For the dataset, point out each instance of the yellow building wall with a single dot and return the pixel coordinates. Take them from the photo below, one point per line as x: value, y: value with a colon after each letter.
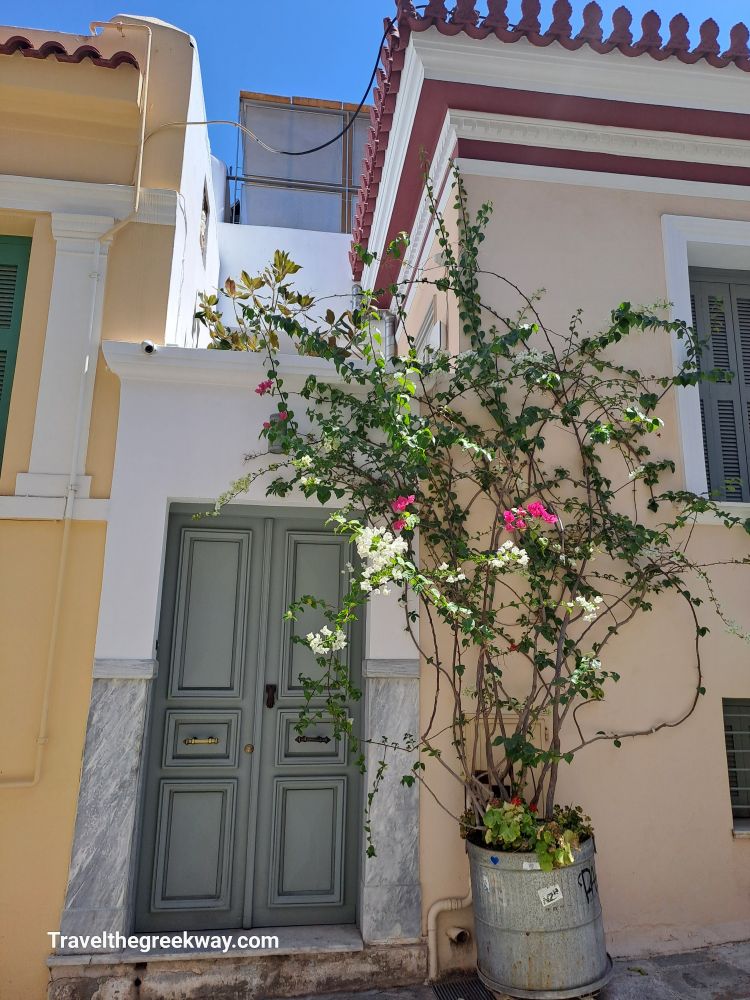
x: 36, y: 824
x: 671, y: 874
x: 76, y: 123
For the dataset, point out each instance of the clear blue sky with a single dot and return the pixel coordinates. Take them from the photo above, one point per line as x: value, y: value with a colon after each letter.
x: 311, y: 48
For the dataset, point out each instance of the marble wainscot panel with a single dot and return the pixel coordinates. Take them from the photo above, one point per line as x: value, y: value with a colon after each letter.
x: 101, y: 864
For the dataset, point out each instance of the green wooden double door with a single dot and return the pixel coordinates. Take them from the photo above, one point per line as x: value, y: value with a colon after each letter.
x: 244, y: 822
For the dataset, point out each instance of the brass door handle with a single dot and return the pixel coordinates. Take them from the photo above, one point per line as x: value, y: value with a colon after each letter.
x: 208, y: 741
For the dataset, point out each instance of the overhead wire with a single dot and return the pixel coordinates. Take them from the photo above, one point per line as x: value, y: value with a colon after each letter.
x: 390, y: 24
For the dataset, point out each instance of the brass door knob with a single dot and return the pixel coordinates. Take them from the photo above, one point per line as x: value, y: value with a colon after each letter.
x: 249, y: 748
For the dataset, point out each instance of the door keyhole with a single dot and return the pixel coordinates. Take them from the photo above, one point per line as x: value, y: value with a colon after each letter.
x: 270, y: 695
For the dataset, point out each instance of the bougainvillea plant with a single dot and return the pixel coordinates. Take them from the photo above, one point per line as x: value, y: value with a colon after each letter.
x: 512, y: 496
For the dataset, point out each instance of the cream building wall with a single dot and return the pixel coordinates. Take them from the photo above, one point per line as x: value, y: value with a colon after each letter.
x: 673, y: 874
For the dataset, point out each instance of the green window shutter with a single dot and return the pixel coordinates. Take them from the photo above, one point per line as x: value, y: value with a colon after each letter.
x: 737, y: 740
x: 722, y: 319
x: 14, y: 266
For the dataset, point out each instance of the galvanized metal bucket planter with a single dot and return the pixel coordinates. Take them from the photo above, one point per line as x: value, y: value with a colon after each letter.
x: 539, y: 934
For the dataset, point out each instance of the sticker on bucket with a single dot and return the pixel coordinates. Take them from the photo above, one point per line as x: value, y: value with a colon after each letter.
x: 532, y: 866
x: 485, y: 884
x: 551, y: 895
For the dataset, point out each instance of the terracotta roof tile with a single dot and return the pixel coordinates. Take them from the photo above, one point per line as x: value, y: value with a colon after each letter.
x: 652, y: 40
x: 53, y: 47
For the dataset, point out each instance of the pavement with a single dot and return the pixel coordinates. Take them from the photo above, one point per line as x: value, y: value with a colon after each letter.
x: 720, y: 973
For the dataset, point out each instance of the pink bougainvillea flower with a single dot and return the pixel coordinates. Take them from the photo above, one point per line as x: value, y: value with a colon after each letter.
x: 283, y: 415
x: 399, y: 505
x: 266, y: 424
x: 537, y: 509
x: 399, y: 525
x: 514, y: 519
x: 516, y: 801
x: 263, y: 387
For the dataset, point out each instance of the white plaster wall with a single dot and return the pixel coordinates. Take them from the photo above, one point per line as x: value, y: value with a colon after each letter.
x: 190, y: 274
x: 324, y: 258
x: 187, y: 420
x: 219, y: 181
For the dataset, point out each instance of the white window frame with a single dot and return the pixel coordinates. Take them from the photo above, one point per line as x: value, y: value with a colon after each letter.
x: 691, y: 241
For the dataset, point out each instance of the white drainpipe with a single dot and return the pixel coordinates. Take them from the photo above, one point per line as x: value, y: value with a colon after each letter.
x: 441, y: 906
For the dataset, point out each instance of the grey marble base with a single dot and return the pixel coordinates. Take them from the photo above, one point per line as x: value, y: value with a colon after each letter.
x: 97, y: 898
x: 390, y: 897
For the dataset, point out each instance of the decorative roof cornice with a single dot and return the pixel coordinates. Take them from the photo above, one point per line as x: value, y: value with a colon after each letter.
x: 463, y: 17
x: 18, y: 43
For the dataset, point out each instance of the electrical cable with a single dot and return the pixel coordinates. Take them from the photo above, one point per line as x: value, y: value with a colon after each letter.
x: 390, y: 24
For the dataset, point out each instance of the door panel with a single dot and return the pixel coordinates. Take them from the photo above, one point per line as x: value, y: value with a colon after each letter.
x: 315, y: 565
x: 246, y: 822
x: 317, y: 746
x: 195, y: 845
x: 307, y: 851
x: 209, y: 643
x: 199, y: 781
x: 201, y: 739
x: 308, y: 818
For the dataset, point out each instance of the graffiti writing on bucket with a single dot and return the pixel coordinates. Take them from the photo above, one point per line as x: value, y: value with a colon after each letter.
x: 588, y: 882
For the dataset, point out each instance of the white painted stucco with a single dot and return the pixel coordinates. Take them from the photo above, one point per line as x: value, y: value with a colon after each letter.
x: 324, y: 259
x: 187, y: 419
x: 191, y: 273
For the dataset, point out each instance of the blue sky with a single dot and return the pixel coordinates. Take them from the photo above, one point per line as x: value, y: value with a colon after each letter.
x: 310, y: 48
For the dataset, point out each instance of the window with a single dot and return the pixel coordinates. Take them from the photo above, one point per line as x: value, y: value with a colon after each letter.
x: 721, y: 315
x: 317, y: 191
x: 14, y: 263
x: 737, y: 738
x: 205, y: 215
x: 430, y: 333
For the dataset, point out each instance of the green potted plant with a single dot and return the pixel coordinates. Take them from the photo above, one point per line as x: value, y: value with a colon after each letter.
x: 510, y: 494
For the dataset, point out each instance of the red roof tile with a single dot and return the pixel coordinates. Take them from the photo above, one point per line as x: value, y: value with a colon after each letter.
x: 17, y: 43
x: 464, y: 18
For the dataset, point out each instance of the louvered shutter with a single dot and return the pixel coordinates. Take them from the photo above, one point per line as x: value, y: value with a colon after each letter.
x: 724, y: 404
x: 14, y: 263
x: 741, y: 317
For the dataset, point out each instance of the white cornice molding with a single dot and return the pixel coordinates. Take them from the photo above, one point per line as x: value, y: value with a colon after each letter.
x: 564, y: 135
x: 583, y: 73
x: 641, y: 143
x: 74, y: 226
x: 410, y: 90
x: 741, y: 510
x: 42, y: 194
x: 419, y: 241
x: 28, y: 508
x: 199, y: 366
x: 593, y: 178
